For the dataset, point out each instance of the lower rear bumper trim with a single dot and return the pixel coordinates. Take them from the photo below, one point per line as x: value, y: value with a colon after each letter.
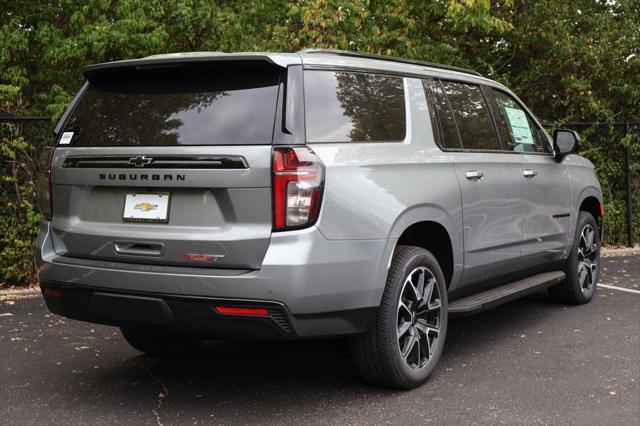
x: 195, y: 315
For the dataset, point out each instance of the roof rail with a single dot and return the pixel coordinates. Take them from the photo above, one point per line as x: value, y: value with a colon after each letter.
x: 387, y: 58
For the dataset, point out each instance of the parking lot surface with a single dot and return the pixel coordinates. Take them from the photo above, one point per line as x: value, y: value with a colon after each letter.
x: 528, y: 362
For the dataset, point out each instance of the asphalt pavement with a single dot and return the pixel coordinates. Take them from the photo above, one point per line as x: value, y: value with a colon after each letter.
x: 528, y: 362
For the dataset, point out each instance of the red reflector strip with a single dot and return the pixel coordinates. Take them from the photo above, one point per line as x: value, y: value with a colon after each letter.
x: 601, y: 209
x: 229, y: 310
x: 53, y: 292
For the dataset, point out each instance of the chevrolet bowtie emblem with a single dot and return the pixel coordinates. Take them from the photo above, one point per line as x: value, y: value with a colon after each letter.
x: 140, y: 161
x: 145, y: 207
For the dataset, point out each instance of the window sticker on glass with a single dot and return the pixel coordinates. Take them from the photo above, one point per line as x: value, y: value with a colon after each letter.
x: 519, y: 126
x: 66, y: 138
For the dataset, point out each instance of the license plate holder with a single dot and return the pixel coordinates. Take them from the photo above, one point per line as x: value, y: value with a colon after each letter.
x: 146, y: 207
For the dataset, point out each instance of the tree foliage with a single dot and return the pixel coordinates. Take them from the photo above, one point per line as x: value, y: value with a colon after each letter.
x: 569, y: 61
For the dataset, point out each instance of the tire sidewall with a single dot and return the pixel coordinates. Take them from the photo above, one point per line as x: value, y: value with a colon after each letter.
x: 410, y: 375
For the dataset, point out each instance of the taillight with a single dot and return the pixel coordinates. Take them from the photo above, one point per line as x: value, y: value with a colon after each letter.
x: 298, y: 180
x: 46, y: 206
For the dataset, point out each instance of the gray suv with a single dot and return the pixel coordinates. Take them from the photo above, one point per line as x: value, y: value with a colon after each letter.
x: 302, y: 195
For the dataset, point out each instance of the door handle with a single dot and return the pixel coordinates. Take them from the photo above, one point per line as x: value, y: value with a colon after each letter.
x: 529, y: 173
x: 474, y: 174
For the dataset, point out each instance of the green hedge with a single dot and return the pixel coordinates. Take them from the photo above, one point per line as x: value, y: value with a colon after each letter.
x: 569, y: 61
x: 19, y: 201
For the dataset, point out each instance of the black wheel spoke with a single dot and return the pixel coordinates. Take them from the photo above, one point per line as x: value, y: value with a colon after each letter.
x: 422, y: 326
x: 404, y: 309
x: 428, y: 292
x: 403, y: 328
x: 419, y: 288
x: 434, y: 305
x: 416, y: 288
x: 409, y: 344
x: 582, y: 275
x: 416, y: 344
x: 427, y: 348
x: 427, y: 328
x: 589, y: 239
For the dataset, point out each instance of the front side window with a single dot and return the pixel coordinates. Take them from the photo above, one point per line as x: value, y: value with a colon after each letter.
x: 353, y: 107
x: 472, y: 116
x: 517, y: 129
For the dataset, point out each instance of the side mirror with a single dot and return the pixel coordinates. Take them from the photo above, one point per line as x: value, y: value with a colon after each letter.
x: 565, y: 142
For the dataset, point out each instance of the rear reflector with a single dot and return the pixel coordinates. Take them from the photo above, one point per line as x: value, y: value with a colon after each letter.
x: 230, y: 310
x: 52, y: 292
x: 601, y: 209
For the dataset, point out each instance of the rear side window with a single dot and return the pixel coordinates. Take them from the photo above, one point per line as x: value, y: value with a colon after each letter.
x: 517, y: 129
x: 472, y: 116
x: 177, y: 106
x: 444, y: 127
x: 353, y: 107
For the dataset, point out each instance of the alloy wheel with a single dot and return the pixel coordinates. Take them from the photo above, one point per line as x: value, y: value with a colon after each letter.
x: 419, y: 317
x: 587, y: 259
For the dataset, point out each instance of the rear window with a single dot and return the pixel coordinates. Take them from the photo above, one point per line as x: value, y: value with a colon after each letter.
x: 444, y: 126
x: 353, y: 107
x: 203, y: 106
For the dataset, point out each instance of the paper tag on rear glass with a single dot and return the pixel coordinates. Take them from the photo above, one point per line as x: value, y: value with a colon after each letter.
x: 65, y: 139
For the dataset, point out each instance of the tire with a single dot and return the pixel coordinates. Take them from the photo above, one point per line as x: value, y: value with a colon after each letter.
x: 159, y: 345
x: 385, y: 355
x: 583, y: 265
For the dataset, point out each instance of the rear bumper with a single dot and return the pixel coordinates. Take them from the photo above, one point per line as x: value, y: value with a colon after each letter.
x: 197, y: 316
x: 316, y: 287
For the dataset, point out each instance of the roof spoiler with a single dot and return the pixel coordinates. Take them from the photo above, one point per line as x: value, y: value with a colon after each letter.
x: 175, y: 61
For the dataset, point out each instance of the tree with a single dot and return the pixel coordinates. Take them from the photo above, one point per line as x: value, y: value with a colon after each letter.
x: 569, y: 61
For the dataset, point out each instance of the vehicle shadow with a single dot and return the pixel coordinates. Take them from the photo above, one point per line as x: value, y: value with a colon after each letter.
x: 261, y: 381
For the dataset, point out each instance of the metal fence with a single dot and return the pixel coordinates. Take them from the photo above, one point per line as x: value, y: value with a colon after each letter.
x: 625, y: 125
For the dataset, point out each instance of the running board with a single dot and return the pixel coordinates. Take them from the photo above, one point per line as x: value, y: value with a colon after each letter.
x: 505, y: 293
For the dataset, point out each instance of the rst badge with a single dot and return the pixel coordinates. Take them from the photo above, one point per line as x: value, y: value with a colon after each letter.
x: 201, y: 257
x: 146, y: 208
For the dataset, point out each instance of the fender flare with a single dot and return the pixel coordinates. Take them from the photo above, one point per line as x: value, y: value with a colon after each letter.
x: 426, y: 213
x: 589, y: 191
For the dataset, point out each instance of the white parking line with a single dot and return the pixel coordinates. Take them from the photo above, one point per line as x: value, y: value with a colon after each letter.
x: 612, y: 287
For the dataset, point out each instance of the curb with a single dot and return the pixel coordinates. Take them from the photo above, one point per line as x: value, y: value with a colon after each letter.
x: 14, y: 293
x: 622, y: 251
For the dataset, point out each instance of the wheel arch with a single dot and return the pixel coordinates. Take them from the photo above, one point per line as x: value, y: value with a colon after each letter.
x: 433, y: 229
x: 590, y: 200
